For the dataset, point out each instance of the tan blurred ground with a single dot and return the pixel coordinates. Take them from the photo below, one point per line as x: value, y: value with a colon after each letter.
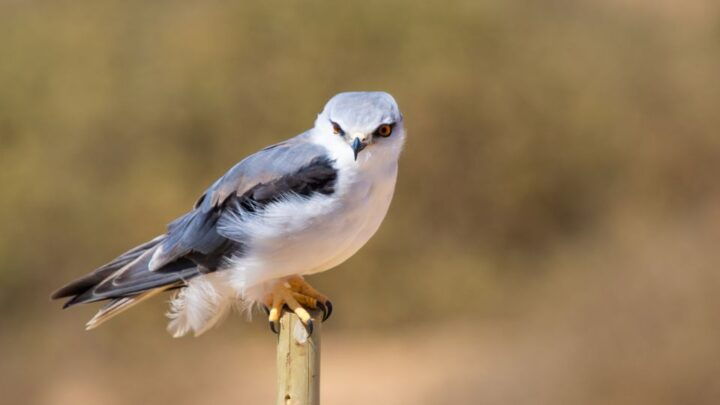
x: 554, y: 236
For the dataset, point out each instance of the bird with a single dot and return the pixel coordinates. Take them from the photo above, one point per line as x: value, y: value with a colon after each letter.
x: 292, y: 209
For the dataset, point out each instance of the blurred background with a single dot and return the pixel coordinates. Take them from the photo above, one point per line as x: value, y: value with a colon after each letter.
x: 553, y: 238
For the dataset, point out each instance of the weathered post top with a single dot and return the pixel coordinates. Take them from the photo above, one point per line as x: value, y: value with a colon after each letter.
x: 298, y: 361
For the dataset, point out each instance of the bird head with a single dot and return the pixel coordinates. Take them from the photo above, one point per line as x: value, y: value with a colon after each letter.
x: 362, y: 121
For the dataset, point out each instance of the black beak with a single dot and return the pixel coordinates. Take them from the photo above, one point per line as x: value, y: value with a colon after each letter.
x: 357, y: 146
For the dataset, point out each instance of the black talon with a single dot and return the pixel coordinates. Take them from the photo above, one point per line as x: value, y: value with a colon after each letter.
x: 329, y: 306
x: 324, y: 310
x: 309, y: 327
x: 272, y: 328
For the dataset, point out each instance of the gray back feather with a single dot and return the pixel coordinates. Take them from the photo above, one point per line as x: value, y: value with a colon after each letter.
x: 196, y: 231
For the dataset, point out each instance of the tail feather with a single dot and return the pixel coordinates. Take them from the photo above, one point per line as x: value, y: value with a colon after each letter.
x: 118, y: 305
x: 127, y: 281
x: 84, y: 283
x: 135, y: 278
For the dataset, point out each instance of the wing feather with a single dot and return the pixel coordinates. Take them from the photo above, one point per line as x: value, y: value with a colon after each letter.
x: 197, y: 230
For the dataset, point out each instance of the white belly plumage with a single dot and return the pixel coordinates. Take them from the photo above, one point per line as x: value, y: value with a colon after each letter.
x: 305, y: 236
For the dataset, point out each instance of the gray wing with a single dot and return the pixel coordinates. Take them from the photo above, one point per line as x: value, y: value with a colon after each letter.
x: 294, y: 166
x: 192, y: 244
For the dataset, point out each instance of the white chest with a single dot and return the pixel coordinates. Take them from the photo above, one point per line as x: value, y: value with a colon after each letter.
x: 305, y: 236
x: 364, y: 206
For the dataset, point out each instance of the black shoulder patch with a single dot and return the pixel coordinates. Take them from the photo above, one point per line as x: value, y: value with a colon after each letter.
x: 319, y: 176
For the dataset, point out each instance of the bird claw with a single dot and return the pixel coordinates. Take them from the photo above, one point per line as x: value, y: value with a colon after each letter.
x: 274, y: 327
x: 294, y: 294
x: 326, y: 308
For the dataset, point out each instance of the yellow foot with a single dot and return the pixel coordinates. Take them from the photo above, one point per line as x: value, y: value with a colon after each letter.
x: 296, y: 294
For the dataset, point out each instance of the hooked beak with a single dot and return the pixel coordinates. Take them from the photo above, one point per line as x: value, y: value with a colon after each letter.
x: 357, y: 146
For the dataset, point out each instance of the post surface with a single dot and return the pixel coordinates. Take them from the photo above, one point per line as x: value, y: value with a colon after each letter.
x: 298, y: 361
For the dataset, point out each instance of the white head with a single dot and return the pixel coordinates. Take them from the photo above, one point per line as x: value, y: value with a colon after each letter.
x: 362, y: 121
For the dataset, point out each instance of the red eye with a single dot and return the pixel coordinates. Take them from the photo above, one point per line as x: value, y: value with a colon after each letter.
x: 384, y: 130
x: 337, y: 129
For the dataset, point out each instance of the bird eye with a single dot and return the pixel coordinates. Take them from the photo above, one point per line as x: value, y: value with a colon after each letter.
x: 337, y: 129
x: 384, y: 130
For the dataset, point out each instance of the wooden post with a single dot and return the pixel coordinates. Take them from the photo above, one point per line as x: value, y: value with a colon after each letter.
x: 298, y: 361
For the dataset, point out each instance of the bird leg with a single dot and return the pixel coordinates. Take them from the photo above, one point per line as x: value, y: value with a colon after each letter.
x: 296, y: 294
